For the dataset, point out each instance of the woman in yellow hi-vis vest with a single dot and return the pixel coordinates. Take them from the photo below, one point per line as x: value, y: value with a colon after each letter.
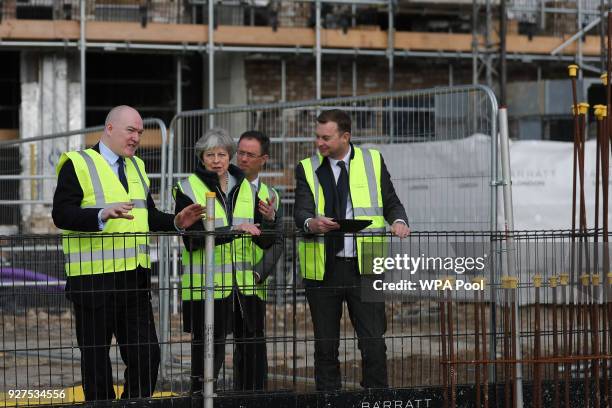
x: 105, y: 190
x: 234, y: 258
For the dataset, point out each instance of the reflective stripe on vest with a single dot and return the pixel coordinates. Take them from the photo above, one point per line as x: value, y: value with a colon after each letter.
x: 188, y: 189
x: 366, y: 198
x: 220, y: 268
x: 100, y: 200
x: 194, y: 262
x: 123, y: 244
x: 105, y: 254
x: 233, y: 261
x: 246, y: 252
x: 264, y: 193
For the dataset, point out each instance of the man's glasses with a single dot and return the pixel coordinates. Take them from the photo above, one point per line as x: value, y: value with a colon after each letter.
x: 249, y: 155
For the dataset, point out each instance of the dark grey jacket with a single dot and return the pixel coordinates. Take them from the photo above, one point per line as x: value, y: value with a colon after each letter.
x: 305, y: 205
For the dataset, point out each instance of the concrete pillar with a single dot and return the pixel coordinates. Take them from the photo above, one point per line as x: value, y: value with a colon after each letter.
x: 50, y: 103
x: 230, y: 90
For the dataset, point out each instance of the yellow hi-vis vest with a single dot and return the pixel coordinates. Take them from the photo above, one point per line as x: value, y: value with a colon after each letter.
x: 246, y: 253
x: 232, y: 260
x: 366, y: 197
x: 128, y: 246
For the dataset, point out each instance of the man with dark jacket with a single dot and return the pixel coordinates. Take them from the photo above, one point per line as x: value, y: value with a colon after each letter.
x: 343, y: 181
x: 101, y: 191
x: 250, y: 360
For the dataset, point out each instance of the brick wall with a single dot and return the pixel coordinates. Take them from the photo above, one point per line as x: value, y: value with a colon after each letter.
x: 264, y: 77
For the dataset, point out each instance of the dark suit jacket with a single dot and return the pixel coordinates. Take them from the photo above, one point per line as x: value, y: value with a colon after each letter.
x: 305, y: 205
x: 68, y: 215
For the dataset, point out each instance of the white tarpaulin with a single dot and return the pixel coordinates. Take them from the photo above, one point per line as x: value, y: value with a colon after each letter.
x: 542, y: 184
x: 445, y: 185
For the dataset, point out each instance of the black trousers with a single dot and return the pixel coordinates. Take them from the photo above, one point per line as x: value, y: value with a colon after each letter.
x: 250, y: 359
x: 127, y: 314
x: 244, y: 316
x: 325, y: 298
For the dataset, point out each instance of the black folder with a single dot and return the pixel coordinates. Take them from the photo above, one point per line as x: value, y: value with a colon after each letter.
x: 352, y: 225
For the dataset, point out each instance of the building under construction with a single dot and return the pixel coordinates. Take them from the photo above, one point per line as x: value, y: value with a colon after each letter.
x: 434, y: 72
x: 95, y: 53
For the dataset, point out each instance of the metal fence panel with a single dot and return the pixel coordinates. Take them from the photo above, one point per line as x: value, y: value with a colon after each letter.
x: 29, y: 178
x: 426, y: 335
x: 433, y: 120
x: 28, y: 173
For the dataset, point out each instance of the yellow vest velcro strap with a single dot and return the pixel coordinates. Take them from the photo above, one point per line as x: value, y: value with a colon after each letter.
x: 368, y: 212
x: 105, y: 254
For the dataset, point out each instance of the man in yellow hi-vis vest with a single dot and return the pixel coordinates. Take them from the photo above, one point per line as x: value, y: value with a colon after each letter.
x: 343, y: 182
x: 103, y: 204
x: 250, y: 360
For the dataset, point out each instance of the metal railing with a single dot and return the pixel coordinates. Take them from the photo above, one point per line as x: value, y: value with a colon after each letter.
x: 438, y: 341
x: 273, y: 13
x: 454, y: 191
x: 29, y: 179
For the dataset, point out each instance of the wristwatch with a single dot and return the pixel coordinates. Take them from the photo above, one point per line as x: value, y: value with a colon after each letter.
x: 307, y: 225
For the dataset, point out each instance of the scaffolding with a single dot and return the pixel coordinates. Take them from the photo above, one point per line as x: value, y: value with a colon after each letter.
x: 488, y: 52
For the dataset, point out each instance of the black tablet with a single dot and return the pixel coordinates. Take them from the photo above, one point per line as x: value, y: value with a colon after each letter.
x: 352, y: 225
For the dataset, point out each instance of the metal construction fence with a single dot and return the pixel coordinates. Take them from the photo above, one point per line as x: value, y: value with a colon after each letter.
x: 436, y: 143
x: 455, y: 191
x: 28, y: 176
x: 442, y: 344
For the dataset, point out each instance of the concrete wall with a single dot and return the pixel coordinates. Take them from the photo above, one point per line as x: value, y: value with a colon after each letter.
x: 50, y: 103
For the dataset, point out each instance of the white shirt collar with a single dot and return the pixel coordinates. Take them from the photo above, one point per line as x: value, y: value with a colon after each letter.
x: 346, y: 158
x: 255, y: 182
x: 110, y: 156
